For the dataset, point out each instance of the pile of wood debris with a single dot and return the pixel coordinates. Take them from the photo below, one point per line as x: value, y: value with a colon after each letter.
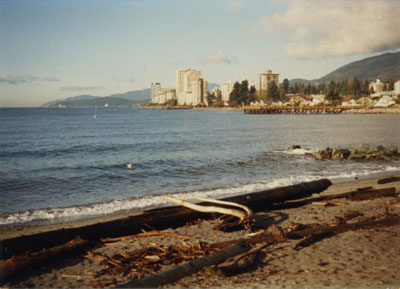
x: 157, y: 265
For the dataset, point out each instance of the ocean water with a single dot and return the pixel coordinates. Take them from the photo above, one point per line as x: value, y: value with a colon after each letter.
x: 62, y: 164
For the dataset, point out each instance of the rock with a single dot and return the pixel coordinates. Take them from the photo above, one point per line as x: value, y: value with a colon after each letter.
x: 321, y: 155
x: 294, y: 147
x: 340, y: 154
x: 328, y: 152
x: 357, y: 156
x: 360, y: 149
x: 310, y: 155
x: 393, y: 150
x: 359, y: 152
x: 380, y: 148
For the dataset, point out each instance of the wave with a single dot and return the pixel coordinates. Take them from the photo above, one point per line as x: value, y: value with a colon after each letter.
x: 299, y: 151
x: 141, y: 203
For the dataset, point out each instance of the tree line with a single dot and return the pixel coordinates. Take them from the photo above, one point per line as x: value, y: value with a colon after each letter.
x: 242, y: 93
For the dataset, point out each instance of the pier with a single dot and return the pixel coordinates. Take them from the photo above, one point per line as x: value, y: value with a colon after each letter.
x: 267, y: 109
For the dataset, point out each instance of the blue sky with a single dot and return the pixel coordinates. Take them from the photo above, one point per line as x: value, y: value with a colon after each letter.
x: 56, y: 49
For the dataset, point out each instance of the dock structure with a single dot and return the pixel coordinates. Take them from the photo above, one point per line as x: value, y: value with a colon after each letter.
x: 267, y: 109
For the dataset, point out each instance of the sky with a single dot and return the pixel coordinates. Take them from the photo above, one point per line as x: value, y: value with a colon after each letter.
x: 56, y: 49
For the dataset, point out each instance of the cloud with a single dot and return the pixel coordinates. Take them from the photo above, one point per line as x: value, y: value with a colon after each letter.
x: 21, y: 79
x: 234, y: 5
x: 219, y: 57
x: 321, y: 28
x: 120, y: 78
x: 80, y: 88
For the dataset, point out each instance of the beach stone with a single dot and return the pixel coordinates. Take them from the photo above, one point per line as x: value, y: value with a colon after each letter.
x: 380, y: 148
x: 310, y: 155
x: 393, y: 149
x: 360, y: 149
x: 294, y: 147
x: 340, y: 154
x: 328, y: 152
x: 359, y: 152
x: 359, y: 156
x: 321, y: 155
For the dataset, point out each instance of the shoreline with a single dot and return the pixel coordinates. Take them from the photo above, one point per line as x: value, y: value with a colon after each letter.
x: 363, y: 258
x: 29, y: 228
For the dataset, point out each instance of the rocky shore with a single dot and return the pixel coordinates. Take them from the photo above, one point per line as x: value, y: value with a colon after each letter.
x: 359, y: 152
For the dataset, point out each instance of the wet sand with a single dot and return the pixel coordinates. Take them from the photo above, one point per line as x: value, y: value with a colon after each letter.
x: 363, y: 258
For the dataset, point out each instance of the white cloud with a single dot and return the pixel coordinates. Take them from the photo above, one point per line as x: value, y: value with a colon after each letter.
x: 20, y: 79
x: 219, y: 57
x: 80, y: 88
x: 121, y: 78
x: 320, y: 28
x: 234, y: 5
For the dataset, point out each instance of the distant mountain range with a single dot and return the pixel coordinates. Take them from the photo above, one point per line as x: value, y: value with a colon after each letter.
x: 127, y: 99
x: 385, y: 67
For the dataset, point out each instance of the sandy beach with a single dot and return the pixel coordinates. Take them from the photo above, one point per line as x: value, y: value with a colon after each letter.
x: 360, y: 258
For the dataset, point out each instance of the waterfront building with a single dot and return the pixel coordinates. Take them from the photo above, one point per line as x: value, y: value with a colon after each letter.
x: 155, y: 91
x: 264, y: 80
x: 166, y: 94
x: 161, y: 96
x: 199, y: 93
x: 191, y: 89
x: 397, y: 87
x: 377, y: 86
x: 226, y: 90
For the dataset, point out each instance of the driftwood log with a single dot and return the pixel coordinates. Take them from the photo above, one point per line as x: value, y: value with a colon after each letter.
x: 176, y: 273
x: 388, y: 180
x: 17, y: 263
x: 237, y: 247
x: 158, y: 219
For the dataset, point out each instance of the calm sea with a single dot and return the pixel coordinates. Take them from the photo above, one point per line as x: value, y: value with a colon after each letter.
x: 63, y: 164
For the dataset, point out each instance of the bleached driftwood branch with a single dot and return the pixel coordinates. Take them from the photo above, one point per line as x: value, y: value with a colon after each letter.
x: 245, y: 208
x: 211, y: 209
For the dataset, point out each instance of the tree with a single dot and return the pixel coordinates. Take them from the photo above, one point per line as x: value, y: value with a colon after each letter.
x: 332, y: 92
x: 234, y: 96
x: 241, y: 94
x: 252, y: 94
x: 272, y: 91
x: 286, y: 85
x: 282, y: 93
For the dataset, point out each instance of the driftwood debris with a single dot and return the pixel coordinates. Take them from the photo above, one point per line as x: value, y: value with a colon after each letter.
x: 172, y: 217
x: 146, y: 234
x: 313, y: 239
x: 360, y: 194
x: 244, y: 251
x: 389, y: 221
x: 347, y: 216
x: 218, y: 257
x: 371, y: 194
x: 18, y: 263
x: 245, y: 215
x: 388, y: 180
x: 189, y: 268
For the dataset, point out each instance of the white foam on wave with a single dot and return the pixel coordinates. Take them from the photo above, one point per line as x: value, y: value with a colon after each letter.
x: 299, y: 151
x: 143, y: 202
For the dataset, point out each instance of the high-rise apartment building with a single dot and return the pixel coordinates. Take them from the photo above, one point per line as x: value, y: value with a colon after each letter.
x: 264, y: 80
x: 155, y: 91
x: 226, y: 90
x: 190, y: 87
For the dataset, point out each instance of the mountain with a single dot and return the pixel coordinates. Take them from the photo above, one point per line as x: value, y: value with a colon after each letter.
x: 299, y: 80
x: 211, y: 86
x: 385, y: 67
x: 72, y: 98
x: 135, y: 97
